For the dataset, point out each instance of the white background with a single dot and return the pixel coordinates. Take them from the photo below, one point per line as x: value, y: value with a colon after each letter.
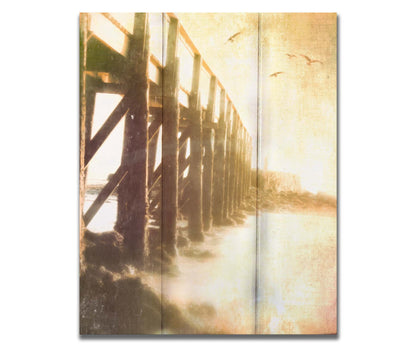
x: 39, y: 171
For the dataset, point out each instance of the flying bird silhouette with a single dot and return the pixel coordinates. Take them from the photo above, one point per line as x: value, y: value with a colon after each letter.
x: 310, y: 61
x: 232, y: 38
x: 291, y: 55
x: 275, y: 74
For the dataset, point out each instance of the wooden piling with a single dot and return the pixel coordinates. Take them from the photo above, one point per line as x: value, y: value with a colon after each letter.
x: 132, y: 192
x: 219, y: 165
x: 226, y: 193
x: 207, y: 140
x: 195, y: 166
x: 245, y: 161
x: 248, y: 169
x: 237, y: 182
x: 242, y: 164
x: 237, y: 167
x: 181, y: 167
x: 170, y: 123
x: 232, y: 158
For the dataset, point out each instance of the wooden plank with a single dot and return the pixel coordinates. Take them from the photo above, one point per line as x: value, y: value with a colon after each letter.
x: 156, y: 62
x: 117, y: 24
x: 170, y: 143
x: 111, y: 88
x: 108, y: 189
x: 132, y: 198
x: 155, y: 110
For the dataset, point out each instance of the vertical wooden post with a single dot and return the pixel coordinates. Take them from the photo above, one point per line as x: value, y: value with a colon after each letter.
x: 132, y: 196
x: 241, y: 169
x: 219, y: 165
x: 195, y: 165
x: 83, y: 28
x: 170, y: 123
x: 243, y: 164
x: 237, y: 166
x: 240, y: 165
x: 227, y: 161
x: 246, y: 164
x: 90, y: 99
x: 208, y: 158
x: 232, y: 158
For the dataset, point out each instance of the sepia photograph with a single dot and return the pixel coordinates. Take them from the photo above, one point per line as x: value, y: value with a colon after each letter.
x: 208, y: 174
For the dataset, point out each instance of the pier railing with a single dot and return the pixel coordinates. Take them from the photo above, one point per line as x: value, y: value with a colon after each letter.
x: 205, y: 187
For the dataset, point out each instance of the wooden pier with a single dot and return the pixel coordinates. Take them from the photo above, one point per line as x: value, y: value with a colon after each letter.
x: 206, y: 188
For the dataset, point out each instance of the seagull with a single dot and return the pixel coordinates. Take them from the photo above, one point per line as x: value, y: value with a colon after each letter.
x: 291, y: 55
x: 232, y: 38
x: 310, y: 61
x: 276, y: 73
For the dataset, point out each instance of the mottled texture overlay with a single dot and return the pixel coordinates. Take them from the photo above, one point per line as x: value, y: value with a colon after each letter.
x: 208, y: 173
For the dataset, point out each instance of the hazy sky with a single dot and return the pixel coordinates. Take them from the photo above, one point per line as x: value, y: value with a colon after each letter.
x: 297, y: 109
